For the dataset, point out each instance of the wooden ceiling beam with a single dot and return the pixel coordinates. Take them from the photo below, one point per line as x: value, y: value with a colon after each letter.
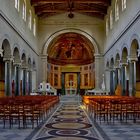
x: 63, y: 11
x: 38, y: 2
x: 58, y: 11
x: 98, y: 15
x: 89, y: 7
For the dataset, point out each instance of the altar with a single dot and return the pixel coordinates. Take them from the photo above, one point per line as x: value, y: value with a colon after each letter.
x: 71, y: 91
x: 71, y: 87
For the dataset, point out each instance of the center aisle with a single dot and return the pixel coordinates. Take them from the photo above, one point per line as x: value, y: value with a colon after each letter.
x: 68, y: 122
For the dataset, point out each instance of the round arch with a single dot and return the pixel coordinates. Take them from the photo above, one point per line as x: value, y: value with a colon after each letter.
x: 86, y: 35
x: 16, y: 55
x: 134, y: 37
x: 23, y: 58
x: 29, y: 63
x: 124, y: 55
x: 6, y: 48
x: 112, y: 62
x: 133, y: 48
x: 107, y: 64
x: 117, y: 60
x: 34, y: 65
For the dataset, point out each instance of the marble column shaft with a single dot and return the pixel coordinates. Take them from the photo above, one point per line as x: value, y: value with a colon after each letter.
x: 30, y: 81
x: 17, y: 80
x: 132, y: 78
x: 111, y: 83
x: 44, y: 69
x: 78, y: 82
x: 116, y: 78
x: 123, y: 80
x: 8, y: 79
x: 98, y: 62
x: 24, y: 81
x: 63, y: 83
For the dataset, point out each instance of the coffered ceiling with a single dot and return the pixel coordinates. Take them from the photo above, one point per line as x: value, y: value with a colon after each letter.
x: 94, y: 8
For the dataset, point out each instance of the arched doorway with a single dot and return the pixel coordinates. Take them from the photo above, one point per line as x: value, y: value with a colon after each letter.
x: 70, y: 67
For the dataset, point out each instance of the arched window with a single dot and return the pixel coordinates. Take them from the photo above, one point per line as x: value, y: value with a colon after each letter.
x: 17, y: 4
x: 107, y: 26
x: 116, y: 10
x: 34, y: 27
x: 24, y: 10
x: 123, y: 4
x: 30, y: 19
x: 111, y: 19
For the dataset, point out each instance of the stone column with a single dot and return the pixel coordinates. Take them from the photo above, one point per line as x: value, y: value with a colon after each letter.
x: 17, y: 79
x: 116, y: 75
x: 24, y: 80
x: 132, y: 76
x: 107, y: 79
x: 78, y: 82
x: 30, y: 81
x: 119, y: 76
x: 98, y: 75
x: 111, y: 82
x: 44, y: 67
x: 8, y: 76
x: 63, y: 83
x: 116, y: 78
x: 34, y: 80
x: 123, y: 78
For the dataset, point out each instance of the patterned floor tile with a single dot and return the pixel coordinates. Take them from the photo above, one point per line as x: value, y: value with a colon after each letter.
x: 80, y: 127
x: 68, y: 122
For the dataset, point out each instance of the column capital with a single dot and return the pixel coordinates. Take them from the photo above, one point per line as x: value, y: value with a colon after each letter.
x: 18, y: 64
x: 132, y: 59
x: 123, y: 60
x: 110, y: 69
x: 24, y: 67
x: 44, y: 57
x: 11, y: 58
x: 117, y: 67
x: 98, y: 56
x: 123, y: 64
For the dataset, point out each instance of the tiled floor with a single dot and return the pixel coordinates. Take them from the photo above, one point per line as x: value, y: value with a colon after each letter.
x: 120, y: 131
x: 14, y: 133
x: 69, y: 121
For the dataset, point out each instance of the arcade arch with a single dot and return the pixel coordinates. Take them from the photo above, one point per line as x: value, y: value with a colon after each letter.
x: 70, y: 56
x: 126, y: 69
x: 14, y: 70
